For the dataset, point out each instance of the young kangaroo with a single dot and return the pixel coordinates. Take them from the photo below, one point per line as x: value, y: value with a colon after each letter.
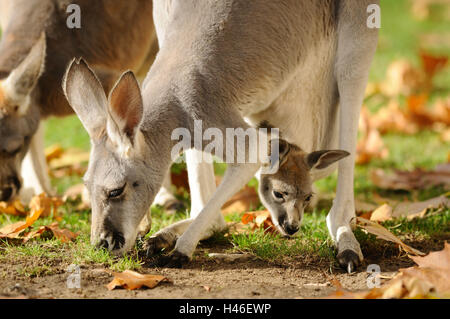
x: 35, y: 48
x: 288, y: 191
x: 301, y: 65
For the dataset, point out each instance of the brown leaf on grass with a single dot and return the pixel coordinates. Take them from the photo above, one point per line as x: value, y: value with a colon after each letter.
x: 416, y: 111
x: 409, y: 120
x: 131, y: 280
x: 14, y: 230
x: 52, y: 152
x: 418, y: 114
x: 381, y: 214
x: 392, y: 119
x: 432, y: 63
x: 441, y: 111
x: 439, y: 260
x: 34, y: 233
x: 419, y: 209
x: 64, y: 235
x: 410, y: 180
x: 46, y: 204
x: 382, y: 233
x: 15, y: 208
x: 402, y: 78
x: 420, y: 9
x: 370, y: 145
x: 70, y: 157
x: 362, y: 207
x: 430, y: 279
x: 391, y: 209
x: 75, y: 170
x: 259, y: 219
x: 445, y: 135
x: 245, y: 200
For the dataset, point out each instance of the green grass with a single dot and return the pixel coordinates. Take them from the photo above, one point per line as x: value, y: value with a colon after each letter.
x: 399, y: 38
x: 312, y: 239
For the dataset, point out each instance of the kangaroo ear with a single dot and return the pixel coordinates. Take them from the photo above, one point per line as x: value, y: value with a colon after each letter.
x: 86, y: 96
x: 279, y: 149
x: 323, y: 159
x: 125, y: 109
x: 24, y: 78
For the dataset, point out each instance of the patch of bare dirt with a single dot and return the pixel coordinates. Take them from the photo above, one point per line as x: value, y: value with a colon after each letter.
x: 204, y: 277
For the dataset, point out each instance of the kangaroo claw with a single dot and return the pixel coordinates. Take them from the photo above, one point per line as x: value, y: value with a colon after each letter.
x: 349, y: 260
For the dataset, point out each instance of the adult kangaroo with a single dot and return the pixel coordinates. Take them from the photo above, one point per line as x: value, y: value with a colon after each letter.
x: 301, y: 66
x: 35, y: 49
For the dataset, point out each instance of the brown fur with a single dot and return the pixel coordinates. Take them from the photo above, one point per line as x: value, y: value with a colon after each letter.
x: 115, y: 35
x: 2, y: 99
x: 37, y: 45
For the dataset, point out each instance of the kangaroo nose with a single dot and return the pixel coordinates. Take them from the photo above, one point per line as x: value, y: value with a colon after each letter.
x: 291, y: 230
x: 5, y: 194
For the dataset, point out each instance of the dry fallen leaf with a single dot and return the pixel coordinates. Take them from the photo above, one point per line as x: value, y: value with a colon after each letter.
x: 382, y: 213
x: 131, y: 280
x: 370, y: 145
x: 445, y: 135
x: 259, y: 219
x: 407, y: 209
x: 432, y: 64
x: 430, y: 279
x: 402, y: 78
x: 70, y: 157
x: 64, y: 235
x: 392, y: 119
x: 47, y: 205
x: 15, y: 208
x: 14, y: 230
x: 52, y: 152
x: 409, y: 180
x: 382, y: 233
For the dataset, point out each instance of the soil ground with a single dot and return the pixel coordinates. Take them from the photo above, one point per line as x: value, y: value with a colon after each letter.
x: 205, y: 277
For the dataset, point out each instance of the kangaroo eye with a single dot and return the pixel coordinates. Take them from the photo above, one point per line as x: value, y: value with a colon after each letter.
x: 277, y: 195
x: 116, y: 192
x: 308, y: 198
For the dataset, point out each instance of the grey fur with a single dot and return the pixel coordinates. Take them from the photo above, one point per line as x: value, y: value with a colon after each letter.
x: 223, y: 61
x: 36, y: 47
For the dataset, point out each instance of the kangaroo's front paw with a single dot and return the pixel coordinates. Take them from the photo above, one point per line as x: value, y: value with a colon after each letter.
x: 348, y: 260
x: 159, y: 242
x: 173, y: 260
x: 349, y: 252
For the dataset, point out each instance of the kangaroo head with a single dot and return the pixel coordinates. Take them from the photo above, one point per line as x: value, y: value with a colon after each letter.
x: 117, y: 178
x: 19, y: 117
x: 288, y: 192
